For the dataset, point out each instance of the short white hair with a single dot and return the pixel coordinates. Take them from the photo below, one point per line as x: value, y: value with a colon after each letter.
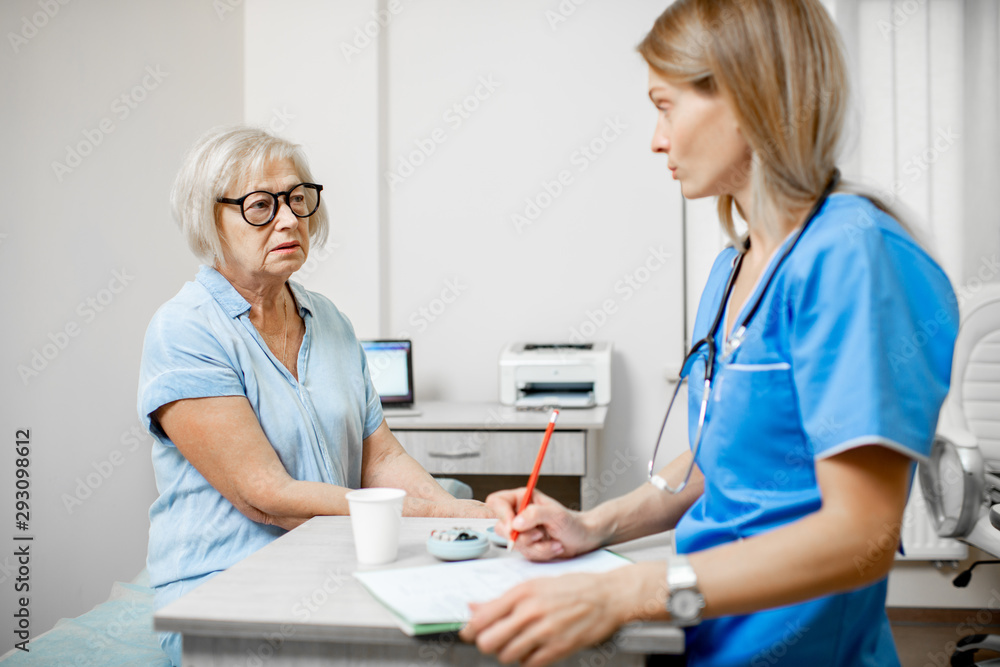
x: 222, y: 159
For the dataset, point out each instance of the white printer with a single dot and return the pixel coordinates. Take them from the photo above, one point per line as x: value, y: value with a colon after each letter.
x: 562, y: 375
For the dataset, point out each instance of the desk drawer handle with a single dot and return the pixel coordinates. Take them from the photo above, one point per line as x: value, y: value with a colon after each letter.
x: 453, y: 455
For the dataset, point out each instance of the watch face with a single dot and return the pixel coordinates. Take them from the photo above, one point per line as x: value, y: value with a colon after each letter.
x: 685, y: 605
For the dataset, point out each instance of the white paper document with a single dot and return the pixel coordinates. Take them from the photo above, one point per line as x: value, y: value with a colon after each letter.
x: 435, y: 598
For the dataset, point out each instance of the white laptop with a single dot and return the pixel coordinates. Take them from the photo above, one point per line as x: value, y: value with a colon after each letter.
x: 390, y: 364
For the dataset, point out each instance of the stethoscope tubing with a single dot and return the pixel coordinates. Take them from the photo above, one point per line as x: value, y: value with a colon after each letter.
x: 735, y: 341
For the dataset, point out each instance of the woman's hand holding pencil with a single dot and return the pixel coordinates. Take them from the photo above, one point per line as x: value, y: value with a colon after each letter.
x: 546, y: 528
x: 533, y: 479
x: 539, y: 526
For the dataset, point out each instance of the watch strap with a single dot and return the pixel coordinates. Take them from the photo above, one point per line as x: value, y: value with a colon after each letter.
x: 680, y: 574
x: 681, y: 578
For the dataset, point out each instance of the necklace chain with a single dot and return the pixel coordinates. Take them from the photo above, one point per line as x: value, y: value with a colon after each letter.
x: 284, y: 342
x: 284, y: 338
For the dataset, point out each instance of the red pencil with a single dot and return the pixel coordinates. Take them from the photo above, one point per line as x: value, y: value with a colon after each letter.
x: 533, y: 480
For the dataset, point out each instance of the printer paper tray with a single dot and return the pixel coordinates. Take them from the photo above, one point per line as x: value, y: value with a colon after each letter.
x: 557, y: 399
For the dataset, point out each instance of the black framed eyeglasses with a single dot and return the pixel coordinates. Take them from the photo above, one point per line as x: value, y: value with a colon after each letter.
x: 260, y: 207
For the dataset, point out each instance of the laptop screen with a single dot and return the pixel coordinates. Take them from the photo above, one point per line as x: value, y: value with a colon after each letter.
x: 390, y: 363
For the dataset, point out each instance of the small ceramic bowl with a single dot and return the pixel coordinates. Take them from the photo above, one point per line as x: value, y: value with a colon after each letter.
x: 457, y: 544
x: 494, y: 538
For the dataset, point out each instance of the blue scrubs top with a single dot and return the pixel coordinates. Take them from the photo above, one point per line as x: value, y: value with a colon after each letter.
x: 852, y: 345
x: 201, y: 343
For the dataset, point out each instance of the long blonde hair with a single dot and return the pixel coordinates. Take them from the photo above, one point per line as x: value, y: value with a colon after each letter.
x: 780, y: 64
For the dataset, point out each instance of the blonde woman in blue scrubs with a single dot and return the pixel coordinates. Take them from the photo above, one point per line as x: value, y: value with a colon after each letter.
x: 825, y: 337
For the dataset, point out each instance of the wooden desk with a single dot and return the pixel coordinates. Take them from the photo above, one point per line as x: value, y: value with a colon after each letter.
x: 295, y: 602
x: 491, y: 446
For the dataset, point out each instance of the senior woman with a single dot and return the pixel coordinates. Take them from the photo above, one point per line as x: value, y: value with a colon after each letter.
x: 255, y: 389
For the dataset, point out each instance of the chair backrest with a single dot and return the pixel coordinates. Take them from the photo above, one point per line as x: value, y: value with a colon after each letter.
x: 973, y: 404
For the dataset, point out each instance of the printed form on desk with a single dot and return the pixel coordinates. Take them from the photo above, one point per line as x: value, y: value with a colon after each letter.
x: 435, y: 598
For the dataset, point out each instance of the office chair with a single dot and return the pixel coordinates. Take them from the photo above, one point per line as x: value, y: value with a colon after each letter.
x: 961, y: 481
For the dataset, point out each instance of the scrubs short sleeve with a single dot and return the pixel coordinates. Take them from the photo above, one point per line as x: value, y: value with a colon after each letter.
x: 872, y: 322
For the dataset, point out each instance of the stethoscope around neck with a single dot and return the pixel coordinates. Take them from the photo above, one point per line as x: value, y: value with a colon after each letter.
x: 732, y: 344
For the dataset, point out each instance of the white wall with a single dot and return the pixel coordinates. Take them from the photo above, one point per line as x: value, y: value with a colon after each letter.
x: 550, y: 89
x: 546, y: 87
x: 303, y: 86
x: 63, y: 237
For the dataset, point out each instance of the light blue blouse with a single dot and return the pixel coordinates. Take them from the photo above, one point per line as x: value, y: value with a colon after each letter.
x: 201, y: 343
x: 852, y: 345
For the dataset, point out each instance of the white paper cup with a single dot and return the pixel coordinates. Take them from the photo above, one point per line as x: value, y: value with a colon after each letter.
x: 376, y: 515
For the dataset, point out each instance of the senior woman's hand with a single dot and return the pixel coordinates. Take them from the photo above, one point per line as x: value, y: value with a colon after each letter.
x: 450, y: 507
x: 386, y: 463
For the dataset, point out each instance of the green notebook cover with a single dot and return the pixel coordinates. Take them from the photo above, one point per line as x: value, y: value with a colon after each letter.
x: 434, y: 598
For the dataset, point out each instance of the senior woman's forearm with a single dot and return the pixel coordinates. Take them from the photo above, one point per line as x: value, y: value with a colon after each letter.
x: 402, y: 471
x: 297, y: 502
x: 385, y: 463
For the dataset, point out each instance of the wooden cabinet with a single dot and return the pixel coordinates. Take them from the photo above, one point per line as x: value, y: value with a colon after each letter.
x: 491, y: 447
x: 499, y: 453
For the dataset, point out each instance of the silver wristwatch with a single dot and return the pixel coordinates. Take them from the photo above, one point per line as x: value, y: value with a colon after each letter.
x: 686, y: 602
